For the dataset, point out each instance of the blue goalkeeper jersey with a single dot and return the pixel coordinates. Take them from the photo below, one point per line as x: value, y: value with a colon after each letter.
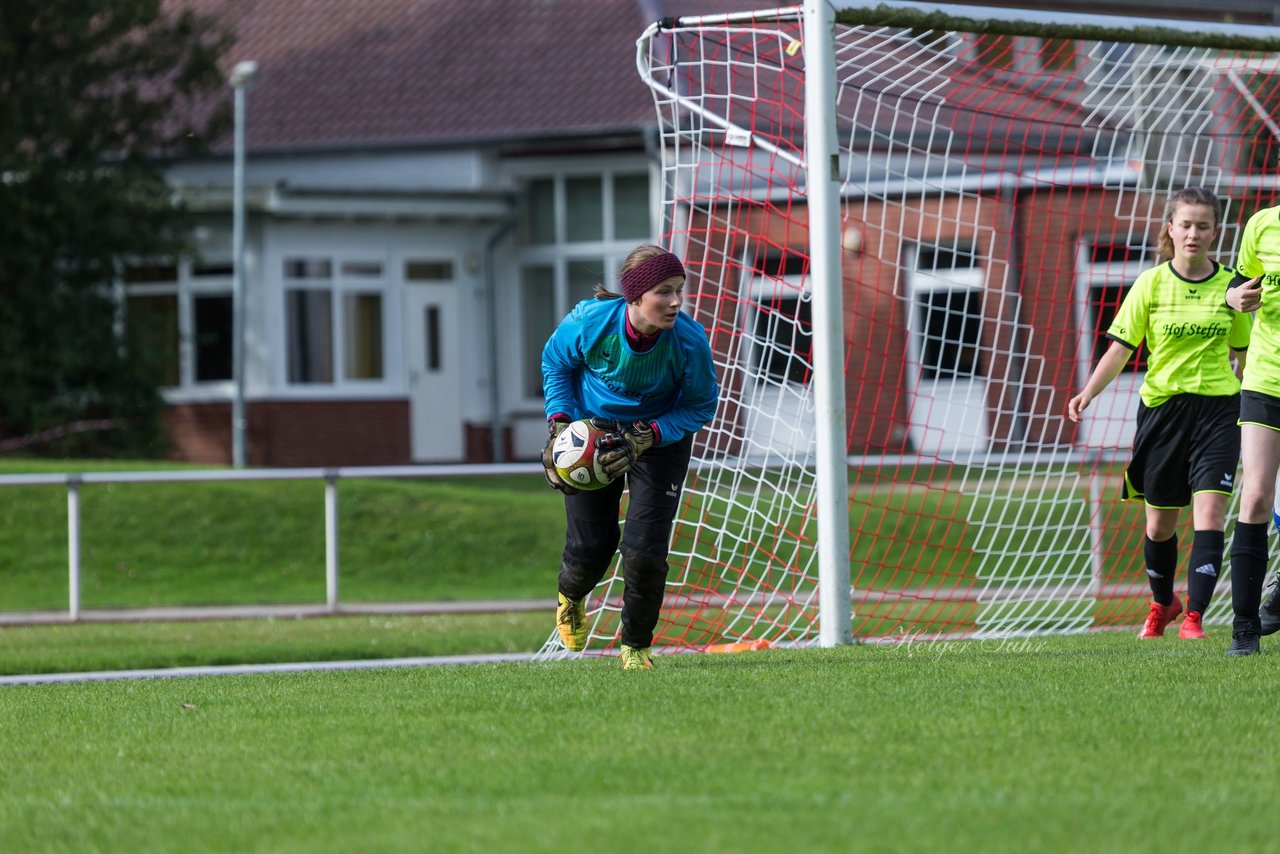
x: 590, y: 369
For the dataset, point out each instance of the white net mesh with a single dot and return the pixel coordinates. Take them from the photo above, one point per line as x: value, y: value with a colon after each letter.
x: 999, y: 194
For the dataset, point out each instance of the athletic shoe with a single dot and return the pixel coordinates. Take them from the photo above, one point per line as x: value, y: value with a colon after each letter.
x: 1270, y: 610
x: 1191, y: 628
x: 1160, y: 616
x: 636, y: 659
x: 1244, y: 642
x: 571, y: 623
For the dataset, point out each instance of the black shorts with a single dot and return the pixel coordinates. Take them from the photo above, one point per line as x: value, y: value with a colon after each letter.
x: 655, y: 484
x: 1259, y: 408
x: 1188, y: 444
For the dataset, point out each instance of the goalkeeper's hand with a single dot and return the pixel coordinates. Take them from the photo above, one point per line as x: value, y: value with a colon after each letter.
x: 620, y: 449
x: 554, y: 428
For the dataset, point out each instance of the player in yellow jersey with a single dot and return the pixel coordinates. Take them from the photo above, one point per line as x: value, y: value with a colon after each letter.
x: 1256, y: 288
x: 1186, y: 446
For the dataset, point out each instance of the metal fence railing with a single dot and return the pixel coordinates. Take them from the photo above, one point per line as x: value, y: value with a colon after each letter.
x: 330, y: 476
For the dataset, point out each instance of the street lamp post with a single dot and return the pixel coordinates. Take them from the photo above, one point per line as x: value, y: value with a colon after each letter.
x: 244, y: 75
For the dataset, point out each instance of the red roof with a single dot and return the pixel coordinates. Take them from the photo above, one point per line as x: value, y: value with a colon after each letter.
x: 343, y: 73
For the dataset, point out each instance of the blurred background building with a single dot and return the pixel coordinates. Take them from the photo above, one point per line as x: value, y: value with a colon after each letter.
x: 429, y: 186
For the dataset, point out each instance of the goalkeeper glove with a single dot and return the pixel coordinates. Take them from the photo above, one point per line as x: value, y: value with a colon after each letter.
x: 620, y: 449
x: 554, y: 428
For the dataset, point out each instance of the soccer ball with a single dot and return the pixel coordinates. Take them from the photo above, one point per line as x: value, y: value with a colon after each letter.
x: 574, y: 456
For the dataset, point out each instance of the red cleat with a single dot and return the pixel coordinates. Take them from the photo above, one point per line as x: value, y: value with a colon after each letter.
x: 1191, y: 628
x: 1160, y: 616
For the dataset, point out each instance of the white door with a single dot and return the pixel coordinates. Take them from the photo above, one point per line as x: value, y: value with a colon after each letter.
x: 431, y: 336
x: 777, y: 394
x: 947, y: 368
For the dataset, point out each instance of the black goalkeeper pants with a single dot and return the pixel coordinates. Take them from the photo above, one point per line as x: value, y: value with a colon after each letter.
x: 593, y: 536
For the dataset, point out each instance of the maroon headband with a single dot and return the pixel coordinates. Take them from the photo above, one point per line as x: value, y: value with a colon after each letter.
x: 637, y: 281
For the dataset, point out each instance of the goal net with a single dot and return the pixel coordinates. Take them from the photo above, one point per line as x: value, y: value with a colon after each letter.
x: 999, y: 190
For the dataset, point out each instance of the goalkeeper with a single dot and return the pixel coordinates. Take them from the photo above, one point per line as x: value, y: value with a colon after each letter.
x: 1186, y: 445
x: 636, y: 363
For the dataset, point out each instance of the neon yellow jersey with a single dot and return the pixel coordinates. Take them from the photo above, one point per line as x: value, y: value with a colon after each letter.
x: 1260, y: 256
x: 1188, y: 329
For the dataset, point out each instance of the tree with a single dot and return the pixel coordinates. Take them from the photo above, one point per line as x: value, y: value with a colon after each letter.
x: 94, y: 95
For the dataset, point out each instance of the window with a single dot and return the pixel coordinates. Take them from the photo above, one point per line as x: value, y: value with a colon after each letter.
x: 782, y: 322
x: 422, y: 270
x: 1114, y: 60
x: 942, y: 260
x: 995, y: 50
x: 950, y: 322
x: 584, y: 209
x: 539, y: 317
x: 213, y: 270
x: 334, y: 323
x: 575, y: 232
x: 784, y: 335
x: 209, y: 331
x: 184, y: 311
x: 362, y: 269
x: 584, y: 275
x: 363, y: 336
x: 1058, y: 54
x: 946, y: 305
x: 1109, y: 267
x: 1118, y: 253
x: 150, y: 274
x: 211, y: 340
x: 308, y: 268
x: 154, y: 318
x: 1104, y: 301
x: 631, y: 207
x: 310, y: 330
x: 333, y: 307
x: 538, y: 213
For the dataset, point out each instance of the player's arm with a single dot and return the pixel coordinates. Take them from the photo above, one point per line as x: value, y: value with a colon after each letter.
x: 1238, y: 358
x: 1244, y: 294
x: 1107, y: 369
x: 1244, y: 291
x: 560, y: 359
x: 699, y: 394
x: 1239, y: 337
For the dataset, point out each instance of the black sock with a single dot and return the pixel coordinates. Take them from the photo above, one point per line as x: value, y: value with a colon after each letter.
x: 1204, y: 569
x: 1248, y: 572
x: 1162, y: 562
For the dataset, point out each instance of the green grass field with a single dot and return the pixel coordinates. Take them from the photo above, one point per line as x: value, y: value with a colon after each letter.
x: 1082, y: 743
x: 1088, y: 743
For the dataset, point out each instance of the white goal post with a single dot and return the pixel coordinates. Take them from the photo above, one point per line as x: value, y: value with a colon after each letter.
x: 907, y: 227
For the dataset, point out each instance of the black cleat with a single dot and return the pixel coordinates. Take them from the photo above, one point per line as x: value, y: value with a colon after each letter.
x: 1244, y: 642
x: 1270, y: 610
